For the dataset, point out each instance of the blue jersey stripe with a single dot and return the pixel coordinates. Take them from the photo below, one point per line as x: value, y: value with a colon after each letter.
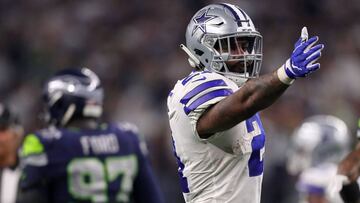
x: 200, y: 88
x: 312, y: 189
x: 207, y: 97
x: 183, y: 179
x: 189, y: 77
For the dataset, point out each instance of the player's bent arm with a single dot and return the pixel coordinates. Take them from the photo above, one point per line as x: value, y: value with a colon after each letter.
x: 350, y: 165
x: 253, y: 96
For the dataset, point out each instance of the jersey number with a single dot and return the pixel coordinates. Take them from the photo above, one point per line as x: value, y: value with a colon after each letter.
x: 88, y: 178
x: 255, y: 129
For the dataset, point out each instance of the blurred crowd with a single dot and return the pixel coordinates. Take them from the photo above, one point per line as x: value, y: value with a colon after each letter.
x: 134, y: 47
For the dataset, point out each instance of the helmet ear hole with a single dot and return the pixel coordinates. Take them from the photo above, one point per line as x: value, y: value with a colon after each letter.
x: 198, y: 52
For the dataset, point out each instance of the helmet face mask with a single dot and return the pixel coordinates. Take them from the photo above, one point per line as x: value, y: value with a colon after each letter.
x: 73, y: 93
x: 224, y: 39
x: 238, y: 56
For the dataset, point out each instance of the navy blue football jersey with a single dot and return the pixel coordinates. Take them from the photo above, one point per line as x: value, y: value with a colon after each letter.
x: 107, y: 164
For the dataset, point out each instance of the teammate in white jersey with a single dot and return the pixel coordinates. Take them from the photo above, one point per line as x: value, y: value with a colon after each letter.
x: 346, y: 182
x: 217, y: 133
x: 318, y: 145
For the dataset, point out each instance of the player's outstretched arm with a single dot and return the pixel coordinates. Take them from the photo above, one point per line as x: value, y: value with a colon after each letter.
x: 258, y: 94
x: 350, y: 165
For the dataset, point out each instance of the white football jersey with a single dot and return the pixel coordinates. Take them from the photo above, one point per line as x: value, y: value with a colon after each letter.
x: 228, y: 166
x: 315, y: 180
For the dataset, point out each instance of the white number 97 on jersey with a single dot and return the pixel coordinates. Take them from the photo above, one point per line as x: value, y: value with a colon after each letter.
x: 89, y: 178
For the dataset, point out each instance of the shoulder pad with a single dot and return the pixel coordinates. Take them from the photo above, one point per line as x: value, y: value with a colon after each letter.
x: 204, y: 88
x: 32, y: 145
x: 33, y: 152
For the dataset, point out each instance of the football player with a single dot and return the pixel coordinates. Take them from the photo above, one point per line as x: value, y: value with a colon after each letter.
x: 78, y: 158
x: 11, y: 134
x: 217, y: 133
x: 347, y: 180
x: 318, y: 145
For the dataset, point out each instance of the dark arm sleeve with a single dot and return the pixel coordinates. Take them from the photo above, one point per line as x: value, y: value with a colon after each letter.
x: 350, y: 193
x: 36, y: 193
x: 33, y: 162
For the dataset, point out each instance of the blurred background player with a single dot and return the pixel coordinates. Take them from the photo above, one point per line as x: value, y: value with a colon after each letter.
x: 217, y: 133
x: 318, y: 145
x: 347, y: 180
x: 11, y: 134
x: 350, y: 165
x: 78, y: 158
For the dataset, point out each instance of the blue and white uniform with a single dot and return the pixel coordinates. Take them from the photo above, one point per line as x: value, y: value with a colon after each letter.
x: 316, y: 180
x: 228, y: 166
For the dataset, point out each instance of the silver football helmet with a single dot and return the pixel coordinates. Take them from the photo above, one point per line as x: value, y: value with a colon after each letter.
x: 222, y: 38
x: 319, y: 139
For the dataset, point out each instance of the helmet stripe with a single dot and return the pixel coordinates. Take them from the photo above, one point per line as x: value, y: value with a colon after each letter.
x: 239, y: 14
x: 242, y: 12
x: 233, y: 12
x: 246, y: 19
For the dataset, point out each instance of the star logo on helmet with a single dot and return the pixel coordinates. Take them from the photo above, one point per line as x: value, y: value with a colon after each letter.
x: 200, y: 21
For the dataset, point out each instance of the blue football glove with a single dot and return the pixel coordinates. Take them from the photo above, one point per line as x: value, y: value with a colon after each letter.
x: 302, y: 60
x: 305, y: 54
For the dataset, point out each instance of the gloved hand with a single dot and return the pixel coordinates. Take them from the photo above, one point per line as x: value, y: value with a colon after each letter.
x: 301, y: 62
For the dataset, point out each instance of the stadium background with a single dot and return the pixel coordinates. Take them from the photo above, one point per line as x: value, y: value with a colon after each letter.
x: 134, y: 48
